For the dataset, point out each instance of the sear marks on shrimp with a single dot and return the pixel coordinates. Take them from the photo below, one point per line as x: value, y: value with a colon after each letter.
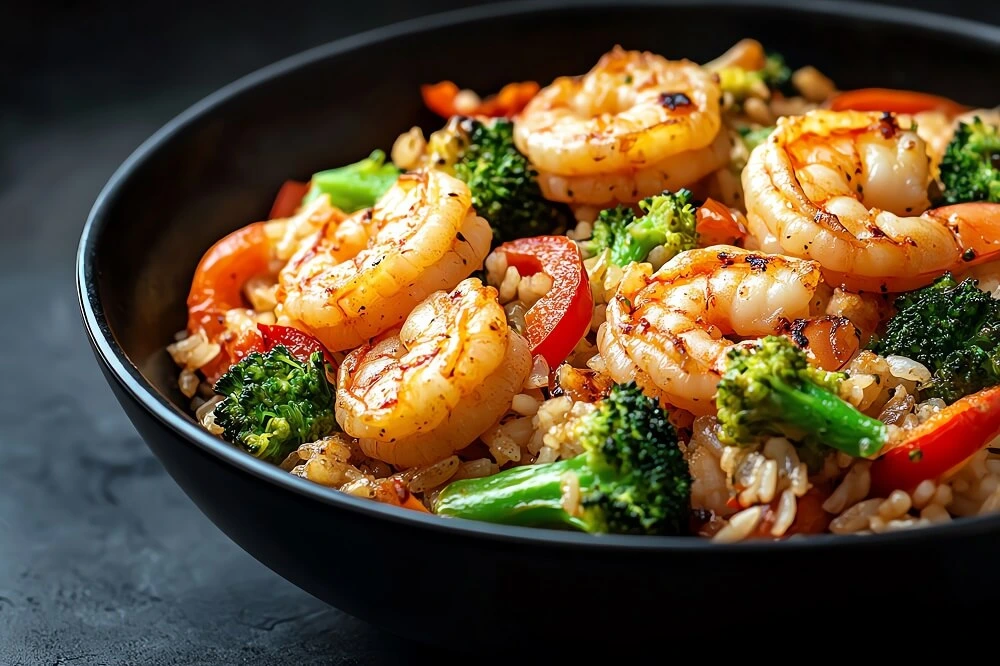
x: 849, y: 190
x: 419, y: 393
x: 363, y: 276
x: 634, y: 125
x: 671, y: 330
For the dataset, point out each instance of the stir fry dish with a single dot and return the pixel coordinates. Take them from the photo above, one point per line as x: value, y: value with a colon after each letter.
x: 718, y: 299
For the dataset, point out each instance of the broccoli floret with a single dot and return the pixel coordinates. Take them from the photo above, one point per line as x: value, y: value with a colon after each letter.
x: 743, y: 83
x: 274, y: 402
x: 668, y: 219
x: 968, y: 369
x: 754, y: 137
x: 633, y: 477
x: 504, y: 184
x: 970, y: 167
x: 952, y: 328
x: 776, y: 72
x: 357, y: 185
x: 769, y: 388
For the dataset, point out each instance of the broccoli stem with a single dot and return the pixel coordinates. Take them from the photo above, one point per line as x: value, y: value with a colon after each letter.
x: 354, y: 186
x: 527, y: 495
x: 816, y: 411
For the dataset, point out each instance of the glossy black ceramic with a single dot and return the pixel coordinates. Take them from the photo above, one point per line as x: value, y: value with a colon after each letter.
x: 218, y: 166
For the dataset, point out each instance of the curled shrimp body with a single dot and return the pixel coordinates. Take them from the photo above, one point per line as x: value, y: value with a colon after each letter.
x: 419, y: 394
x: 257, y: 250
x: 364, y: 277
x: 849, y: 189
x: 671, y: 330
x: 634, y: 125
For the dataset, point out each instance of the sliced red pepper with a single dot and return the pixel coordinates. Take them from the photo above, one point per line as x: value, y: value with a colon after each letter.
x: 939, y: 444
x: 289, y: 199
x: 299, y: 343
x: 560, y: 319
x: 440, y: 98
x: 511, y: 99
x: 247, y: 342
x: 716, y: 224
x: 895, y: 101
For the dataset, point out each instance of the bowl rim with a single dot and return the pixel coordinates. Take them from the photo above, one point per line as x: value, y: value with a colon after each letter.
x: 127, y: 375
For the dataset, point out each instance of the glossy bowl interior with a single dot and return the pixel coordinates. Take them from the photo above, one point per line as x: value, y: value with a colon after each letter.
x: 218, y: 166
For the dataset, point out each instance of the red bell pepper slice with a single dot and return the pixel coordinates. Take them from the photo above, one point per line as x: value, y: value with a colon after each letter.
x: 895, y: 101
x: 299, y: 343
x: 560, y: 319
x: 440, y: 98
x: 289, y: 199
x: 939, y: 444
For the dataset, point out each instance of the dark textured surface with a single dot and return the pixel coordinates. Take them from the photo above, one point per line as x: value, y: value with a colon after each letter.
x: 102, y: 559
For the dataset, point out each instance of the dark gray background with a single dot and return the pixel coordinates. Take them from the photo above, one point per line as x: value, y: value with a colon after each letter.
x: 102, y: 559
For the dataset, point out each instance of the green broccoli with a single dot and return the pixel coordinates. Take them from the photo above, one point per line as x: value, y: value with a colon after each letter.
x: 355, y: 186
x: 274, y: 402
x: 503, y: 182
x: 754, y: 137
x: 669, y: 219
x: 970, y: 167
x: 743, y: 83
x: 769, y: 388
x: 951, y: 327
x: 633, y: 477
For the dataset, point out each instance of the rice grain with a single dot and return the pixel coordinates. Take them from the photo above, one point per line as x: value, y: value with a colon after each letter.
x: 188, y: 383
x: 785, y: 514
x: 408, y: 148
x: 539, y: 375
x: 935, y: 513
x: 923, y: 493
x: 432, y: 476
x: 853, y: 488
x: 856, y: 517
x: 508, y: 287
x: 895, y: 505
x: 569, y: 485
x: 474, y: 469
x: 740, y: 525
x: 525, y: 405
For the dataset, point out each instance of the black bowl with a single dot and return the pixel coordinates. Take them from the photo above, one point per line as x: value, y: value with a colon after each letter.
x: 218, y: 166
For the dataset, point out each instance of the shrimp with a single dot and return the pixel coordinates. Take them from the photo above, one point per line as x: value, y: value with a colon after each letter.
x: 668, y: 330
x: 430, y: 388
x: 422, y: 236
x: 259, y: 249
x: 634, y: 125
x: 847, y: 189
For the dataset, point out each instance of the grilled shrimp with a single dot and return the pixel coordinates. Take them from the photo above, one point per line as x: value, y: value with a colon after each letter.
x: 849, y: 190
x: 634, y: 125
x: 668, y: 330
x: 364, y: 276
x: 258, y: 250
x: 430, y: 388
